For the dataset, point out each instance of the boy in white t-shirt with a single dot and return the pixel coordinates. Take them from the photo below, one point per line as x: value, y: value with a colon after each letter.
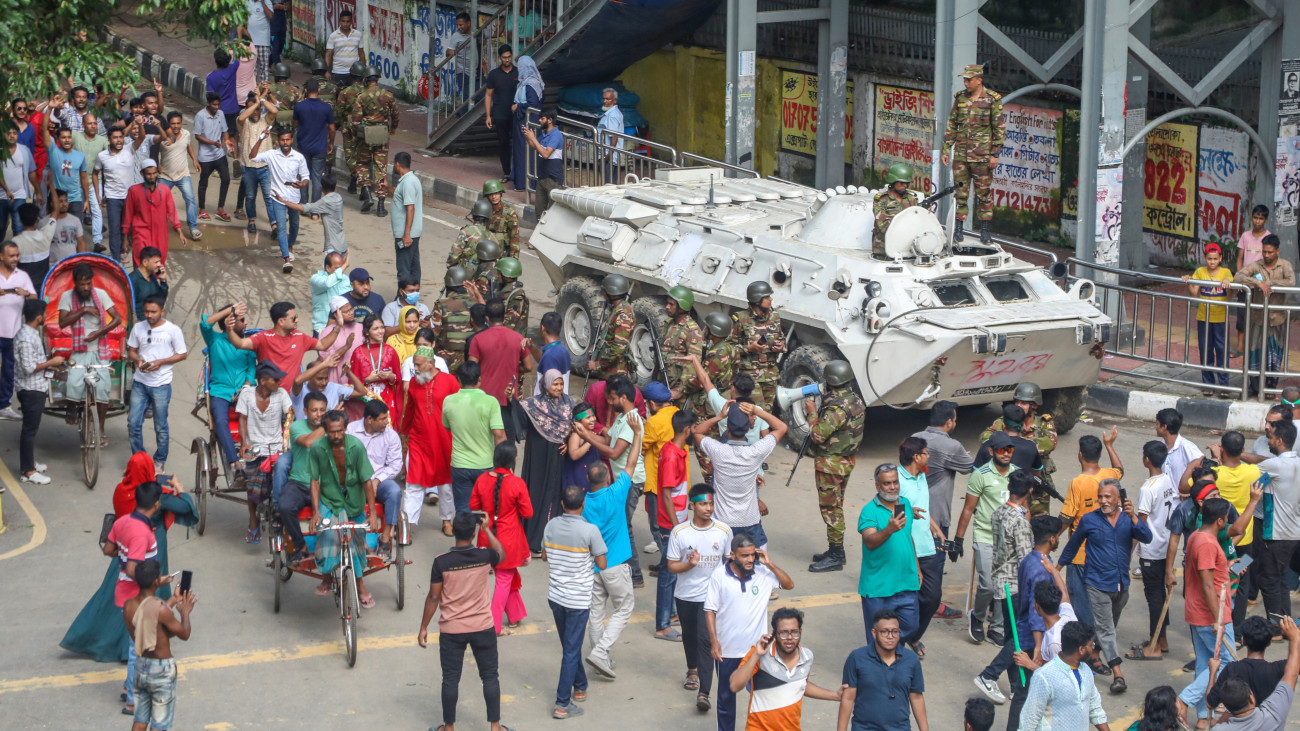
x: 154, y: 346
x: 695, y: 549
x: 1157, y: 499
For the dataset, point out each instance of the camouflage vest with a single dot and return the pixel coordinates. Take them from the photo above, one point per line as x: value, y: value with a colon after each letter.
x: 329, y: 91
x: 752, y: 328
x: 343, y: 106
x: 844, y: 442
x: 463, y: 250
x: 452, y: 311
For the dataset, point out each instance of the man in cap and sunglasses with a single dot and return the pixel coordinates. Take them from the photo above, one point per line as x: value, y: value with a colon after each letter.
x: 1040, y: 427
x: 985, y: 492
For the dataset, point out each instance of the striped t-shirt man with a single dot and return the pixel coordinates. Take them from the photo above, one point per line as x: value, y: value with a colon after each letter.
x: 776, y: 692
x: 572, y: 545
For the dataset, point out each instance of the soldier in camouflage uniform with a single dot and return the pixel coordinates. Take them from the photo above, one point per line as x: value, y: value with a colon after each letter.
x: 342, y: 104
x: 450, y: 318
x: 681, y: 337
x: 284, y: 95
x: 504, y: 221
x: 835, y: 432
x: 721, y: 355
x: 1039, y: 428
x: 329, y: 91
x: 890, y: 202
x: 486, y: 277
x: 611, y: 354
x: 973, y: 140
x: 374, y: 107
x: 512, y: 292
x: 761, y: 340
x: 463, y: 250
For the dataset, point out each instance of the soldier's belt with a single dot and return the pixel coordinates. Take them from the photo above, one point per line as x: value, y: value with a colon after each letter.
x: 376, y: 133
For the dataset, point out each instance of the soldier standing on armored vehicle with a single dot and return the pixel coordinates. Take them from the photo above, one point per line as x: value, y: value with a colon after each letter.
x: 504, y: 221
x: 512, y: 292
x: 342, y: 114
x: 761, y: 341
x: 973, y: 140
x: 283, y: 94
x: 834, y: 431
x: 374, y: 115
x: 463, y: 251
x: 681, y: 337
x: 451, y: 319
x: 1041, y: 430
x: 890, y: 202
x: 611, y: 353
x: 486, y: 276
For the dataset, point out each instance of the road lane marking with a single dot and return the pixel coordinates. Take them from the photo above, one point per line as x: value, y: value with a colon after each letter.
x: 435, y: 219
x: 241, y: 658
x: 38, y: 523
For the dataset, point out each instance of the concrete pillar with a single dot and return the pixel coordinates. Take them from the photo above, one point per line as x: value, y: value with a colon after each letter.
x: 832, y: 90
x: 956, y: 38
x: 1132, y: 253
x: 1283, y: 44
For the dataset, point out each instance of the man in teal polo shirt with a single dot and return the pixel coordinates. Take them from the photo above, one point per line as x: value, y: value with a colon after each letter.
x: 474, y: 419
x: 890, y: 578
x: 343, y: 490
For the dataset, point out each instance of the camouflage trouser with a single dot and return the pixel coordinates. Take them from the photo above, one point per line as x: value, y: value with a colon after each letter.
x: 453, y: 357
x: 765, y: 378
x: 878, y: 244
x: 697, y: 403
x: 1041, y: 503
x: 349, y: 150
x: 981, y: 173
x: 371, y: 168
x: 832, y: 477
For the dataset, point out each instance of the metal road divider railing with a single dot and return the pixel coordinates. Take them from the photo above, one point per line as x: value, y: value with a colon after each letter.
x: 587, y: 155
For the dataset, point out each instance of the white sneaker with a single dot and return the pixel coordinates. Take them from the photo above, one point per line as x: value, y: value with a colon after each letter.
x: 40, y: 467
x: 36, y: 478
x: 196, y: 234
x: 651, y: 547
x: 292, y: 257
x: 990, y: 689
x: 159, y: 468
x: 11, y: 414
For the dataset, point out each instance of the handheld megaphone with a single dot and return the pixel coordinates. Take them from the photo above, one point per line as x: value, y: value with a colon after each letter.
x: 787, y: 396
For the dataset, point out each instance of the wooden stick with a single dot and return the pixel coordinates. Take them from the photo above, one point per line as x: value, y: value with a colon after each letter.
x: 970, y: 587
x: 1169, y: 594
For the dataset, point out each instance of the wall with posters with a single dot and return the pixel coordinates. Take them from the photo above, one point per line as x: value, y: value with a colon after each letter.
x: 904, y: 132
x: 303, y: 29
x: 799, y: 115
x: 1027, y: 181
x: 1169, y: 182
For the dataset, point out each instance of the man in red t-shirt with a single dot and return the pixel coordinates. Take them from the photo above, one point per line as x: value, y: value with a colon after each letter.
x: 1205, y: 572
x: 504, y: 355
x: 284, y: 344
x: 674, y: 478
x: 131, y: 541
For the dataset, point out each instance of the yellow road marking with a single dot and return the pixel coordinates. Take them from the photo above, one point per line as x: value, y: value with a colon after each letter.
x: 241, y: 658
x: 38, y: 523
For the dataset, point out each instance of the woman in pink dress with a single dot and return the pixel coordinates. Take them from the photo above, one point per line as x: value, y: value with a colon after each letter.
x: 504, y: 497
x: 375, y: 367
x: 428, y: 442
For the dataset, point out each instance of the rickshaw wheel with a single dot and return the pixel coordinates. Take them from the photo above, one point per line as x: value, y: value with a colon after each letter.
x: 277, y: 564
x: 90, y: 444
x: 351, y: 606
x: 399, y: 555
x: 201, y: 485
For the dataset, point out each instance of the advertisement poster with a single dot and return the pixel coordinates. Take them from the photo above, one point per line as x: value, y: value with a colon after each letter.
x: 1028, y: 175
x: 1110, y: 207
x: 1221, y: 184
x: 904, y: 132
x: 799, y: 115
x: 1289, y: 103
x: 304, y: 23
x: 1169, y: 180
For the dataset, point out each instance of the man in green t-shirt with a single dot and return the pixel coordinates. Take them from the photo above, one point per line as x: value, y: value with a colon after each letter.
x: 890, y: 577
x: 296, y: 492
x: 474, y: 419
x: 986, y: 491
x: 342, y: 487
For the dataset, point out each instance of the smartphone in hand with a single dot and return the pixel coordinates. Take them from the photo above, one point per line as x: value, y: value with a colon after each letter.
x: 109, y: 520
x: 186, y: 578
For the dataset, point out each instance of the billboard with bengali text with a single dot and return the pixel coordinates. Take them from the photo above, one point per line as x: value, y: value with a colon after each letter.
x: 1028, y: 175
x: 1169, y: 180
x: 799, y: 115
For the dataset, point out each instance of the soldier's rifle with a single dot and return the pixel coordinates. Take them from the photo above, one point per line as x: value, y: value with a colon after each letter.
x: 931, y: 200
x: 802, y: 450
x: 594, y: 350
x: 660, y: 366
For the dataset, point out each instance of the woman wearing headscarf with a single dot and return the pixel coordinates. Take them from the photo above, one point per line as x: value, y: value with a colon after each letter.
x: 550, y: 419
x: 527, y: 95
x: 504, y: 498
x: 403, y: 341
x: 428, y: 456
x: 375, y: 367
x: 98, y: 630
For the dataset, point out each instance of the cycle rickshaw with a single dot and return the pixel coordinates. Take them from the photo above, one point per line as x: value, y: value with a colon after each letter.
x: 112, y: 278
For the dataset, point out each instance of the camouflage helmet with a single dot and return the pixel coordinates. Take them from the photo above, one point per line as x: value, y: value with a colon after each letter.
x: 492, y: 185
x: 318, y: 66
x: 510, y: 267
x: 684, y: 298
x: 719, y: 324
x: 899, y: 172
x: 482, y: 208
x: 455, y: 277
x: 615, y: 285
x: 487, y: 250
x: 357, y: 70
x: 372, y: 72
x: 756, y: 291
x: 1028, y: 391
x: 837, y: 373
x: 280, y: 70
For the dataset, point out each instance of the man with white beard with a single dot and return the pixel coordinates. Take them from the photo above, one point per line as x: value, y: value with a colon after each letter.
x: 428, y: 441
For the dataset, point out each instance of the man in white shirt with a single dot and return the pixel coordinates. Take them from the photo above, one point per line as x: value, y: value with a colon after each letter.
x: 15, y: 288
x: 155, y: 346
x: 736, y: 466
x: 289, y: 174
x: 175, y: 157
x: 342, y: 49
x: 259, y: 32
x: 20, y: 182
x: 1181, y: 451
x: 113, y: 176
x: 1157, y: 498
x: 695, y: 549
x: 612, y: 120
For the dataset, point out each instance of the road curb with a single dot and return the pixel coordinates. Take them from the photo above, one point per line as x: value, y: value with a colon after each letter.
x: 1204, y: 413
x: 179, y: 79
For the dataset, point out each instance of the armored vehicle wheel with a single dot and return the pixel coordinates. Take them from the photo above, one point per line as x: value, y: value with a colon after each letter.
x: 581, y: 304
x: 1065, y: 405
x: 648, y: 310
x: 803, y: 367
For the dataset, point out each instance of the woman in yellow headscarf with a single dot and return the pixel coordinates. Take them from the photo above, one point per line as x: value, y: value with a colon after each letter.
x: 403, y: 341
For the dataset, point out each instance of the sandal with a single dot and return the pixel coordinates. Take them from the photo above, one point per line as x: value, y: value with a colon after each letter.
x: 239, y: 214
x: 203, y: 216
x: 1099, y: 668
x: 385, y: 551
x: 103, y: 442
x: 223, y: 215
x: 514, y: 625
x: 692, y: 681
x: 919, y: 649
x: 1140, y: 653
x: 254, y: 535
x: 367, y: 601
x: 1118, y: 687
x: 324, y: 588
x: 505, y: 632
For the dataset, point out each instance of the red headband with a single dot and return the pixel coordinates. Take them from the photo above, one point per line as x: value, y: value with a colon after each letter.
x: 1205, y: 490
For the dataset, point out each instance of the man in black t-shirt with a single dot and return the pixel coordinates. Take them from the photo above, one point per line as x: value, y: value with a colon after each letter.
x: 1026, y: 456
x: 501, y: 84
x: 1261, y: 675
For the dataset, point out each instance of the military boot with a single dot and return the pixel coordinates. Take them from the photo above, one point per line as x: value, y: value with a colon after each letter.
x: 379, y: 210
x: 352, y: 185
x: 366, y: 201
x: 832, y: 560
x: 986, y: 237
x: 830, y: 550
x: 957, y: 233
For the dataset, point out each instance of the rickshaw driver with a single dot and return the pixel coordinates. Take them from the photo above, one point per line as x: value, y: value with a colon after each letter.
x: 342, y: 486
x: 83, y: 309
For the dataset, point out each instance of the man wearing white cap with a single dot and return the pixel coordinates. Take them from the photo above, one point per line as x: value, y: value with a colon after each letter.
x: 150, y: 210
x: 349, y: 339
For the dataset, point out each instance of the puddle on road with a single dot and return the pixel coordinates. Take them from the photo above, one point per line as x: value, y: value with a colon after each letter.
x: 223, y: 237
